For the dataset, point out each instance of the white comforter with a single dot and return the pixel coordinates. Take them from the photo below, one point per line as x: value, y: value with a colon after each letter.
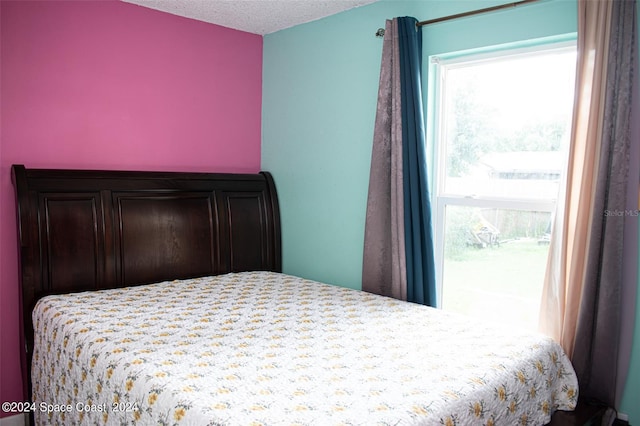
x: 270, y: 349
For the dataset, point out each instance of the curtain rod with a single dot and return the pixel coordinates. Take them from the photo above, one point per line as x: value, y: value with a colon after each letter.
x: 380, y: 32
x: 474, y: 12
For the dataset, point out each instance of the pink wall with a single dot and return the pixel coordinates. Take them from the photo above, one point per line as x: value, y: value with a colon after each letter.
x: 106, y: 84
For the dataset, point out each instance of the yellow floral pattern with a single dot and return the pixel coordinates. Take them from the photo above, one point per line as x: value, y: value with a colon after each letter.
x: 269, y: 349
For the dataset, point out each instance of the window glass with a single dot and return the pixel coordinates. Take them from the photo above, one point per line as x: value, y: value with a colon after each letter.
x: 502, y: 128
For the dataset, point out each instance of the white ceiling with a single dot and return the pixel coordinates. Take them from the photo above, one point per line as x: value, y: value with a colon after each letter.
x: 254, y: 16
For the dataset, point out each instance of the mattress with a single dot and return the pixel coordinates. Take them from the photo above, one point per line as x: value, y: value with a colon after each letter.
x: 261, y: 348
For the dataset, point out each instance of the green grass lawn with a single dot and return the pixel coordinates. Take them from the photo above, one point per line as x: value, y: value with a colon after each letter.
x: 501, y: 283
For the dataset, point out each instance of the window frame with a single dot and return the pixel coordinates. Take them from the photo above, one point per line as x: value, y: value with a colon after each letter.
x: 438, y: 66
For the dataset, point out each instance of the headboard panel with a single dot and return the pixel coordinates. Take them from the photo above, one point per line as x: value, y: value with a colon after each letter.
x: 183, y: 229
x: 88, y: 230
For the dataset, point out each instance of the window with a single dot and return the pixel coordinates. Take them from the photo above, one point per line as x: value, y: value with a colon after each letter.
x: 502, y: 123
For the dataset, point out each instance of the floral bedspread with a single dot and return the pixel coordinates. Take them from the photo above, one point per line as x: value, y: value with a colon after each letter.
x: 259, y: 348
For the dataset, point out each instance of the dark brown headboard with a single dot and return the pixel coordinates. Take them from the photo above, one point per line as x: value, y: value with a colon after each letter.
x: 88, y: 230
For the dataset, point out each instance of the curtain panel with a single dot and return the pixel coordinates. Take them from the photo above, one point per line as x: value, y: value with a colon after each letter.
x: 384, y: 264
x: 570, y: 234
x: 582, y: 296
x: 398, y: 248
x: 597, y: 342
x: 421, y: 281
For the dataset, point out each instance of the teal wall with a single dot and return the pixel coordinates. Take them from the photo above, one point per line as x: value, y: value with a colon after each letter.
x: 319, y: 99
x: 319, y: 95
x: 631, y: 398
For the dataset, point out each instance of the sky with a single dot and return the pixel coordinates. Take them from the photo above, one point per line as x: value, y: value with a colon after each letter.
x: 522, y: 88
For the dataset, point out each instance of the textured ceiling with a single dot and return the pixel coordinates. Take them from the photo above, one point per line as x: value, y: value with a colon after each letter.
x: 254, y: 16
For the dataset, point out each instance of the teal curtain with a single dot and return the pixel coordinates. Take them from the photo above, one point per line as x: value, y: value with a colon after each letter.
x: 421, y: 280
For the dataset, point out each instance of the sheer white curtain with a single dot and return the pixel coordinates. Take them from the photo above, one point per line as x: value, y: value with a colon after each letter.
x: 570, y: 240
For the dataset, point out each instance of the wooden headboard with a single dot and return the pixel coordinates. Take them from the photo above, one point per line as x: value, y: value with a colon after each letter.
x: 88, y: 230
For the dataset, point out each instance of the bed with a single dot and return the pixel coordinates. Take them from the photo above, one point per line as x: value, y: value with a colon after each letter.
x: 158, y: 298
